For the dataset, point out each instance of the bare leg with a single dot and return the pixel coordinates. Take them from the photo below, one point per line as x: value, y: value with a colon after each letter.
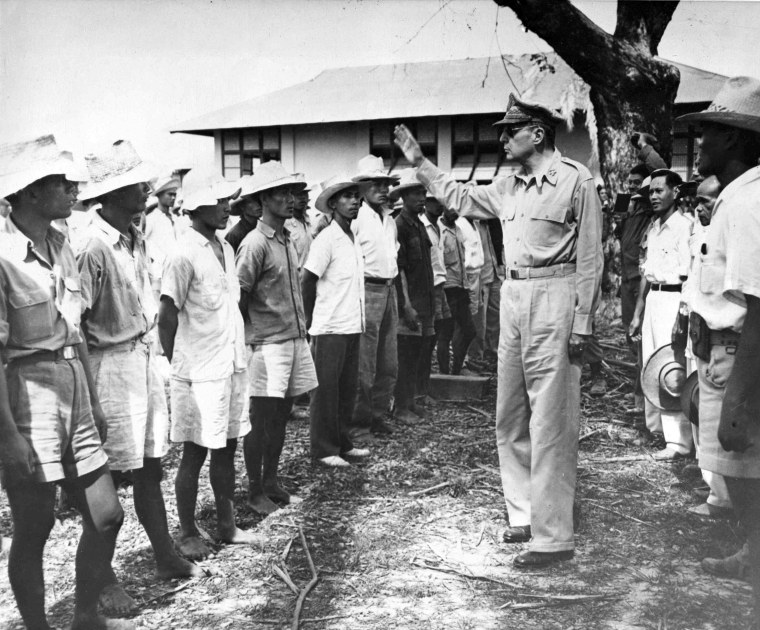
x: 190, y: 543
x: 32, y: 509
x: 264, y: 414
x: 222, y: 476
x: 102, y: 517
x: 150, y: 508
x: 271, y: 482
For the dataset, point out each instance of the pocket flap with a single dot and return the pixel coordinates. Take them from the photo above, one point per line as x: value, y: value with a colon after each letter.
x: 31, y: 297
x: 556, y: 214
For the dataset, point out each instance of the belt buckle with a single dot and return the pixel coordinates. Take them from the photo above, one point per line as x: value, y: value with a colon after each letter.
x: 69, y: 352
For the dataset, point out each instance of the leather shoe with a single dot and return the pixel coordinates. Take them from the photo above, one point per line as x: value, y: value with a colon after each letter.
x: 538, y: 559
x: 705, y: 510
x: 518, y: 534
x: 735, y: 567
x: 381, y: 428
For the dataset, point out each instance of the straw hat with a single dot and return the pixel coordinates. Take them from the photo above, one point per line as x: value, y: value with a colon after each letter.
x: 115, y: 168
x: 736, y: 105
x: 524, y: 112
x: 330, y: 188
x: 408, y: 180
x: 206, y: 188
x: 163, y: 184
x: 23, y: 163
x: 371, y: 167
x: 690, y: 398
x: 271, y: 175
x: 662, y: 379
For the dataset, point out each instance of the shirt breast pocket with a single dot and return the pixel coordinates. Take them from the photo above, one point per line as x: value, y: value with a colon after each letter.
x: 547, y: 226
x: 711, y: 279
x: 213, y: 292
x: 31, y: 316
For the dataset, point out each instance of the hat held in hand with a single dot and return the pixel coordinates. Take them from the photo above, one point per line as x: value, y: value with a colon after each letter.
x: 662, y: 379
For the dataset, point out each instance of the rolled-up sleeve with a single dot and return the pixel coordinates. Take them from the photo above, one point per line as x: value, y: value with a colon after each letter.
x: 177, y: 276
x: 587, y: 208
x: 478, y: 202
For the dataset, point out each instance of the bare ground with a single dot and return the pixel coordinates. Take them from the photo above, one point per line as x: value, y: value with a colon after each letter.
x: 389, y: 558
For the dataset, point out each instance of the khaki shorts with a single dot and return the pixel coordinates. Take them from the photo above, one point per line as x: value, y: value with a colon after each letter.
x: 208, y: 413
x: 133, y: 399
x: 50, y: 403
x: 281, y: 370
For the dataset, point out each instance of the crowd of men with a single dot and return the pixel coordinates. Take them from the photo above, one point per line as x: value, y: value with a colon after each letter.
x: 344, y: 312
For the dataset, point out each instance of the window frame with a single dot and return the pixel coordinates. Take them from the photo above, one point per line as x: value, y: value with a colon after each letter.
x: 261, y: 153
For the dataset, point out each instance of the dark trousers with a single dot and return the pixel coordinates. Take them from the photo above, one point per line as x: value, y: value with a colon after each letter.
x: 426, y: 360
x: 629, y: 292
x: 411, y: 363
x: 457, y: 332
x: 336, y: 360
x: 745, y: 497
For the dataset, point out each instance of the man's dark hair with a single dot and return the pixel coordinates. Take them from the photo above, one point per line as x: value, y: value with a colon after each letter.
x: 671, y: 179
x: 640, y: 170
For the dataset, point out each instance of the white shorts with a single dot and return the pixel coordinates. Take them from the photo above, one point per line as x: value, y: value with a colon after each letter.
x: 132, y: 395
x: 281, y: 370
x: 208, y: 413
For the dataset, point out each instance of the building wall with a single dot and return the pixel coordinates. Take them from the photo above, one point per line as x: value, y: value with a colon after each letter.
x: 321, y: 151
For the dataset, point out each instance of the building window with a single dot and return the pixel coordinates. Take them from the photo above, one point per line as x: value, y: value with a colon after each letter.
x: 381, y: 142
x: 476, y: 153
x: 685, y: 151
x: 244, y: 149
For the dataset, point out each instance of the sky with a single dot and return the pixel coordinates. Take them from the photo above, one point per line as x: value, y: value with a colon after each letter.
x: 94, y: 71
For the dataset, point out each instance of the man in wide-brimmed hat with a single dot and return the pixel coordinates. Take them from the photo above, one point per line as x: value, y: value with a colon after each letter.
x: 201, y: 330
x: 725, y: 324
x: 50, y: 416
x: 117, y: 323
x: 332, y: 281
x: 375, y: 231
x: 416, y: 298
x: 247, y: 208
x: 279, y: 363
x: 551, y: 215
x: 299, y: 224
x: 665, y: 267
x: 163, y: 226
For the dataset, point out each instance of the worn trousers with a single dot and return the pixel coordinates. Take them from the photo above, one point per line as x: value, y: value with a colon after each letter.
x: 656, y: 329
x: 336, y: 360
x: 538, y: 408
x: 456, y: 332
x: 378, y: 355
x: 481, y: 345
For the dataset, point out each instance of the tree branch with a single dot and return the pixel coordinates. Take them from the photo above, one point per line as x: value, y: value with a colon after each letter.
x: 642, y: 23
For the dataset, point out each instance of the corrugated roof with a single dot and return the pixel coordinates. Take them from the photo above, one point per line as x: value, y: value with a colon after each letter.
x: 433, y: 88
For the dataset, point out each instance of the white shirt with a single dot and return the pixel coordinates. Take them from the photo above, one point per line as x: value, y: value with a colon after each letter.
x: 378, y: 241
x: 161, y: 236
x: 210, y: 342
x: 473, y: 246
x: 337, y: 262
x: 740, y: 200
x: 667, y: 252
x: 436, y: 251
x: 300, y: 234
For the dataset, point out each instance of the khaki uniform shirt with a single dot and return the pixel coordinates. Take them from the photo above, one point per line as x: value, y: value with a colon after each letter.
x: 300, y: 234
x: 116, y: 285
x: 547, y: 218
x: 40, y: 297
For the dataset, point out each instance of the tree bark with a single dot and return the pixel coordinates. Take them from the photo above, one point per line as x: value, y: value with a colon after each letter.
x: 630, y: 90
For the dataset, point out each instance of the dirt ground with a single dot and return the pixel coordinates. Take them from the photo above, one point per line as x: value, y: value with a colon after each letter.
x: 411, y: 540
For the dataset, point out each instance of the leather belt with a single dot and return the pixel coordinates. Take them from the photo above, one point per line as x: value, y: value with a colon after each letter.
x: 724, y: 337
x: 67, y: 353
x: 673, y: 288
x: 527, y: 273
x: 385, y: 281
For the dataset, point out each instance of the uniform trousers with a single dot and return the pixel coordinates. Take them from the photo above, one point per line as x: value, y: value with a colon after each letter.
x: 378, y: 354
x: 656, y: 329
x: 538, y: 408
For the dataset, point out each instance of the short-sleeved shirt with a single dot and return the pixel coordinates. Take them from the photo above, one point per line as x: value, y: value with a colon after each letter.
x: 209, y: 343
x: 452, y: 244
x: 267, y: 267
x: 337, y: 261
x: 377, y: 237
x: 473, y: 246
x: 300, y: 234
x: 740, y: 200
x: 40, y: 297
x: 550, y: 217
x: 414, y: 261
x: 162, y: 231
x: 436, y: 253
x: 239, y: 231
x: 116, y: 285
x: 668, y: 255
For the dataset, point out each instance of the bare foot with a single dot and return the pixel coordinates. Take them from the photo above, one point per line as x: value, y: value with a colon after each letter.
x: 237, y: 536
x: 114, y: 600
x: 99, y: 622
x: 262, y: 504
x: 193, y: 548
x: 277, y: 493
x: 176, y: 567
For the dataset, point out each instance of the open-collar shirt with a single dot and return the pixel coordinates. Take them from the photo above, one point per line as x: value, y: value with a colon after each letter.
x: 668, y: 255
x: 377, y: 237
x: 40, y: 296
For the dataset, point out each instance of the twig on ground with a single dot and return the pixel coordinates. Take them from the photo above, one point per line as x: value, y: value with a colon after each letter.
x: 490, y: 469
x: 590, y: 433
x: 480, y: 411
x: 625, y: 364
x: 308, y: 587
x: 632, y: 518
x: 422, y: 563
x: 171, y: 591
x: 285, y: 577
x: 439, y: 486
x: 318, y: 619
x: 612, y: 460
x: 482, y: 532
